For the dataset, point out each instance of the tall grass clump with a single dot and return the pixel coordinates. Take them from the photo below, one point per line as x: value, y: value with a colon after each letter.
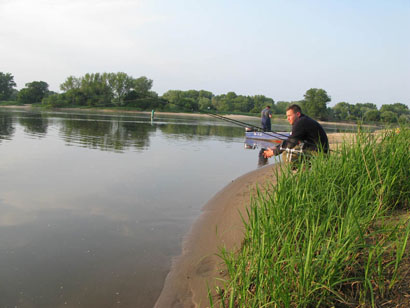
x: 323, y: 236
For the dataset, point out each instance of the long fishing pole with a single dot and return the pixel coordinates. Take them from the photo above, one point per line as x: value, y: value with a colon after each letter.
x: 247, y: 125
x: 255, y: 128
x: 243, y: 124
x: 217, y: 116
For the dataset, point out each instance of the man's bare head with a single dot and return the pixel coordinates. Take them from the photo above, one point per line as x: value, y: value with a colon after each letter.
x: 293, y: 113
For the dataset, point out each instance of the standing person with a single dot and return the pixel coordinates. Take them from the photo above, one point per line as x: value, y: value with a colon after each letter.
x: 266, y: 115
x: 307, y: 135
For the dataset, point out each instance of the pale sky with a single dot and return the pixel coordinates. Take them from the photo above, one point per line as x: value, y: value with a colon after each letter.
x: 356, y: 50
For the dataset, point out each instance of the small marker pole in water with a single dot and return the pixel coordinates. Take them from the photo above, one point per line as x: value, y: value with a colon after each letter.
x: 152, y: 115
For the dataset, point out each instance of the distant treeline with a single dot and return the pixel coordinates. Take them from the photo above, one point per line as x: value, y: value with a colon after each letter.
x: 122, y: 90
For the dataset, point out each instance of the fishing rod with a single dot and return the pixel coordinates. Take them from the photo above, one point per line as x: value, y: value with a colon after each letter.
x: 217, y: 116
x: 247, y: 125
x: 243, y: 124
x: 255, y: 128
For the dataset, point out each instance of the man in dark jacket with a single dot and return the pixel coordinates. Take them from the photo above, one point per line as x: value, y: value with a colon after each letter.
x: 307, y: 135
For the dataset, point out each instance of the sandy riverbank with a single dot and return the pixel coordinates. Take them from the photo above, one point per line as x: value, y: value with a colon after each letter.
x: 220, y: 224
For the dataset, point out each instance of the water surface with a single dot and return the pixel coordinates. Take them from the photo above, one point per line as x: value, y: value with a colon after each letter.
x: 94, y: 206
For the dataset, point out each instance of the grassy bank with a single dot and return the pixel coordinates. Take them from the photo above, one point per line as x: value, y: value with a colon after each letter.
x: 334, y: 235
x: 9, y: 103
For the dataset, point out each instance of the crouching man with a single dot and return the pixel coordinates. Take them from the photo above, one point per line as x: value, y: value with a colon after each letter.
x: 307, y: 137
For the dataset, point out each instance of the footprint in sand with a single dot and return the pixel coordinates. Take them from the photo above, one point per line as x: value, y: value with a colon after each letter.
x: 205, y: 266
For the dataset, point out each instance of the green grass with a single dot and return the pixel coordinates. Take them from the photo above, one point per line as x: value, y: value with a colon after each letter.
x: 9, y: 103
x: 323, y: 236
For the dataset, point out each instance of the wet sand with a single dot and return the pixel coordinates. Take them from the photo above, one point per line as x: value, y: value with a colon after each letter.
x: 220, y: 224
x: 199, y: 268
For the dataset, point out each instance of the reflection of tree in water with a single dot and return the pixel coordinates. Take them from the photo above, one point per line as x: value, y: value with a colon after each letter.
x: 106, y: 135
x: 138, y: 133
x: 195, y: 131
x: 6, y: 126
x: 35, y: 124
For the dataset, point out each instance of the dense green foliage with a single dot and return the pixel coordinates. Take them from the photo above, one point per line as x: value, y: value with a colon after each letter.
x: 390, y: 113
x: 6, y: 86
x: 315, y: 102
x: 107, y: 89
x: 323, y: 236
x: 193, y: 100
x: 124, y: 91
x: 34, y: 92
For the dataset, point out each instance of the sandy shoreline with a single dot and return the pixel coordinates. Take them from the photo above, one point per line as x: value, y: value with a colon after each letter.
x: 220, y: 224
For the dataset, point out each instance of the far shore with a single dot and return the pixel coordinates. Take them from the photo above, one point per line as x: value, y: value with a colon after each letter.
x: 232, y: 116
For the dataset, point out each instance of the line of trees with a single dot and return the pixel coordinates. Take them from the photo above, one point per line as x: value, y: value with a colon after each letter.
x: 122, y: 90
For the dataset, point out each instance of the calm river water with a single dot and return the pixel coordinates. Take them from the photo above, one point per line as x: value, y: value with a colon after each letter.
x: 94, y: 206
